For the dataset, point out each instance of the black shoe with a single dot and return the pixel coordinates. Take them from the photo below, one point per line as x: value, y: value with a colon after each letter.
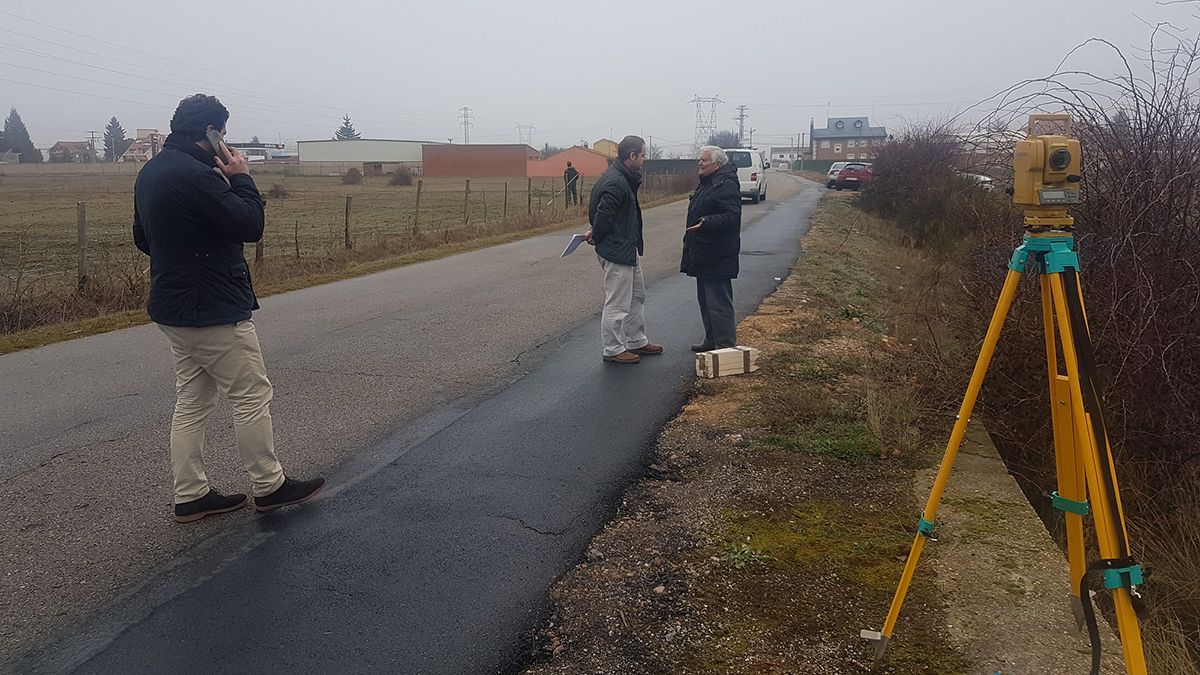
x: 210, y: 504
x: 291, y: 492
x: 703, y: 348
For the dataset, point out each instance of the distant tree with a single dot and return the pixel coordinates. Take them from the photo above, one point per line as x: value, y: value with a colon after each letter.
x: 17, y: 138
x: 654, y: 152
x: 548, y: 150
x: 114, y: 138
x: 346, y: 132
x: 725, y: 139
x: 254, y: 139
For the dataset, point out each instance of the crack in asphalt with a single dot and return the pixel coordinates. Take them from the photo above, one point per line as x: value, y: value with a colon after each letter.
x: 527, y: 526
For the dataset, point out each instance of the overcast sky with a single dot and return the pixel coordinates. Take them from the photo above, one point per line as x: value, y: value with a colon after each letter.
x: 574, y: 69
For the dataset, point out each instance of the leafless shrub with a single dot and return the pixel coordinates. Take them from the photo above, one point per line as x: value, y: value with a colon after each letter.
x: 402, y: 176
x: 279, y: 191
x: 352, y: 177
x: 1138, y: 232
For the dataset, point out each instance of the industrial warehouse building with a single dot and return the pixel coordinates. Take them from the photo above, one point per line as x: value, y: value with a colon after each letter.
x: 375, y: 156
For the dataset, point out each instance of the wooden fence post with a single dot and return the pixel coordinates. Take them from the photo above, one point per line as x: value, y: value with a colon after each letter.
x: 258, y: 251
x: 529, y: 195
x: 81, y: 224
x: 504, y: 217
x: 296, y: 233
x: 483, y: 196
x: 349, y: 244
x: 417, y: 209
x: 467, y: 203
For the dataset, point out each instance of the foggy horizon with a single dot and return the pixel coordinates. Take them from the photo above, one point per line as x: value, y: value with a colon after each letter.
x: 576, y: 74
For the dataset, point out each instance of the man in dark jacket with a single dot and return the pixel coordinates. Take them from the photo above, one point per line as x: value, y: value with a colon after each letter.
x: 194, y: 206
x: 571, y: 181
x: 616, y: 232
x: 712, y: 242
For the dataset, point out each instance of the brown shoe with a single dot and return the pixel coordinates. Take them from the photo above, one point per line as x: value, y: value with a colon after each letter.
x: 648, y: 350
x: 623, y: 357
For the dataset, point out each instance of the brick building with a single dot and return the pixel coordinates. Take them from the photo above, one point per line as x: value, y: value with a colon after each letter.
x: 588, y: 162
x: 477, y: 160
x: 846, y: 138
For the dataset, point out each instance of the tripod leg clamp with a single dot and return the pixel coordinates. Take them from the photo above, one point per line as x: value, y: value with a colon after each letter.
x: 1069, y: 505
x: 1123, y: 577
x: 1019, y: 257
x: 925, y: 527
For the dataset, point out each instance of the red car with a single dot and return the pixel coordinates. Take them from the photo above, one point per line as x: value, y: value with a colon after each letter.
x: 853, y: 176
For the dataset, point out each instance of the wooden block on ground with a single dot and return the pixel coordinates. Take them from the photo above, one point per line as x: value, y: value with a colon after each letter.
x: 728, y: 361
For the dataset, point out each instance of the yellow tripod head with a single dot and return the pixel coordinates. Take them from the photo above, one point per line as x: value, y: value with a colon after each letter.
x: 1046, y: 175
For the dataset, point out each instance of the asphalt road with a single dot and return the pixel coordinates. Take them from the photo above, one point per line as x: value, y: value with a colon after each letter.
x: 433, y: 548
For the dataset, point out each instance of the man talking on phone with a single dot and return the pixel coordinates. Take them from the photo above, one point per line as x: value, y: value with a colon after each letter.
x: 194, y: 207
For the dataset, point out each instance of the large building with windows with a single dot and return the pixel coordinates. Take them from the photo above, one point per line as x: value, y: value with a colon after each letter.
x: 846, y: 138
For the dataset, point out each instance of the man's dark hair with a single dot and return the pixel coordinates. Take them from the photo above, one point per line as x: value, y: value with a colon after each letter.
x: 630, y: 145
x: 194, y: 115
x: 568, y: 164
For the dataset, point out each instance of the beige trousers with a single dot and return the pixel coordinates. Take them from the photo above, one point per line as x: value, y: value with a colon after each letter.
x: 623, y: 318
x: 209, y: 362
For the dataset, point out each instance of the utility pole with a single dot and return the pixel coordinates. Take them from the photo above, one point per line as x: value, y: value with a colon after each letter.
x: 465, y: 118
x: 741, y: 120
x: 751, y: 143
x: 92, y: 141
x: 706, y: 119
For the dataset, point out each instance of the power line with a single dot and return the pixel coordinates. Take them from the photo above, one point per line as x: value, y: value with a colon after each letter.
x: 741, y: 120
x: 225, y: 75
x: 706, y: 119
x: 465, y: 118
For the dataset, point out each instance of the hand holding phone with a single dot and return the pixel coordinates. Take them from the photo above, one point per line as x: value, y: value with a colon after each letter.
x: 228, y: 160
x: 217, y: 141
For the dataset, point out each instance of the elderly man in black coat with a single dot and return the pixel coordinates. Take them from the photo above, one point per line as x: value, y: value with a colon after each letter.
x: 711, y: 244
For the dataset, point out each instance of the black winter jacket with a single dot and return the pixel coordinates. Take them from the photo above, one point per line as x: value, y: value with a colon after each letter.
x: 193, y: 223
x: 616, y: 216
x: 711, y: 252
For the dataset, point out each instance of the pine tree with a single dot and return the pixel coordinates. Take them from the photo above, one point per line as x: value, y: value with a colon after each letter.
x: 346, y: 132
x: 114, y: 138
x: 17, y: 138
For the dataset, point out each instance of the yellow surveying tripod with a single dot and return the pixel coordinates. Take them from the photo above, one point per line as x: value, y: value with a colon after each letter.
x: 1046, y: 181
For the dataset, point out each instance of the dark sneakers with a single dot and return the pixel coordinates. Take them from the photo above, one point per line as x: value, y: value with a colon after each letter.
x: 291, y: 492
x: 210, y: 504
x: 648, y: 350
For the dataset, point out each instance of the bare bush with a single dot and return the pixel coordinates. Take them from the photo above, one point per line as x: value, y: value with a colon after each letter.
x: 1138, y: 233
x: 279, y: 191
x: 352, y: 177
x: 402, y: 176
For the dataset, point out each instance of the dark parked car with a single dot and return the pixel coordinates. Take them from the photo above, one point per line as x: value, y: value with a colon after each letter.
x: 853, y: 176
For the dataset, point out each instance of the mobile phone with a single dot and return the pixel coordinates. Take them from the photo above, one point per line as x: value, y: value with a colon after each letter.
x: 216, y: 139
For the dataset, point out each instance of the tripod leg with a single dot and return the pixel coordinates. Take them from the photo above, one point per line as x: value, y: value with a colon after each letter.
x: 925, y: 528
x: 1101, y: 478
x: 1071, y: 496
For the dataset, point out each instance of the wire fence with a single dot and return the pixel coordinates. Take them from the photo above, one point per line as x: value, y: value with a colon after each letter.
x: 68, y: 239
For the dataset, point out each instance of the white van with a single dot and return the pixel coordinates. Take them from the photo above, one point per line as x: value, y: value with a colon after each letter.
x: 752, y: 172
